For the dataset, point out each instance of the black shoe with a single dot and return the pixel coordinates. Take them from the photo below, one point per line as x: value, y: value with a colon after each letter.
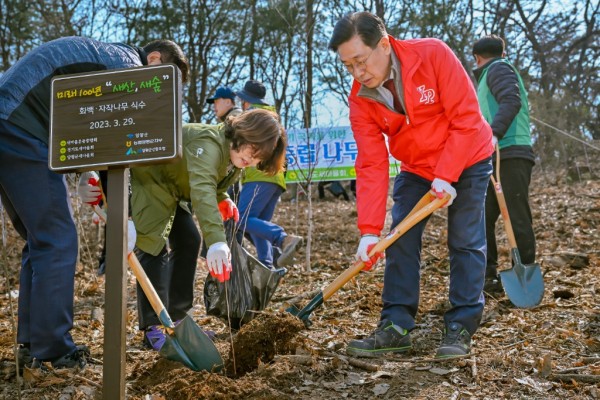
x: 455, y: 343
x: 24, y: 357
x: 76, y: 358
x: 492, y: 285
x: 387, y: 338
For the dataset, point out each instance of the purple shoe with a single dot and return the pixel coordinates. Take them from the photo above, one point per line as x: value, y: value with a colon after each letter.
x: 154, y: 337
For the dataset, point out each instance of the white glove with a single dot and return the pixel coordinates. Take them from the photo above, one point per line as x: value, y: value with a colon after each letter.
x: 131, y: 236
x: 494, y: 141
x: 439, y: 187
x: 88, y: 189
x: 218, y: 259
x: 363, y: 246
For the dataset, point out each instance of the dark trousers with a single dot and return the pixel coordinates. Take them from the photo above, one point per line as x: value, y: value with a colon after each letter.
x: 515, y: 177
x: 466, y: 245
x: 171, y: 272
x: 256, y: 206
x: 38, y: 204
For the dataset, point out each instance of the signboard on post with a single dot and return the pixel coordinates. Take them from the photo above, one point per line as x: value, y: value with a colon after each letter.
x: 115, y: 118
x: 112, y: 120
x: 324, y: 154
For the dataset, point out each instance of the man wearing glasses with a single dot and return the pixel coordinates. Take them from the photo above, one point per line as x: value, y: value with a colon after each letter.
x: 417, y: 93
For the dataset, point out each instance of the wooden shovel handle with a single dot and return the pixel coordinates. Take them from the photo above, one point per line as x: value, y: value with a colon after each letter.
x: 142, y: 278
x: 510, y: 234
x: 428, y: 204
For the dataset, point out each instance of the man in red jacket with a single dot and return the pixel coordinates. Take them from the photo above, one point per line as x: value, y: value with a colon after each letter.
x: 416, y: 96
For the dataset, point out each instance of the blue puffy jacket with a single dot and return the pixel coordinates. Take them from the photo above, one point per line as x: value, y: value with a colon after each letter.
x: 25, y: 87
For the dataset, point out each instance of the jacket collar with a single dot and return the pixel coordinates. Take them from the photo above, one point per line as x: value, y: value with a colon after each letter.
x: 479, y: 70
x: 143, y: 55
x: 234, y: 108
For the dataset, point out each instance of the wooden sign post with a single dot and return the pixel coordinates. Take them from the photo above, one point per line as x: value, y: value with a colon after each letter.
x: 111, y: 120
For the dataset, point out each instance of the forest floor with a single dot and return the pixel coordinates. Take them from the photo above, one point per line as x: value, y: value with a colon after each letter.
x: 551, y: 351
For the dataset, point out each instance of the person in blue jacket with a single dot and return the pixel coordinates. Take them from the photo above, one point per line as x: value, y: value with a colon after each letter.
x: 37, y: 199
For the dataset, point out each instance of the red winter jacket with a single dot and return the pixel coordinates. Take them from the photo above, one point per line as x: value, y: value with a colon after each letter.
x: 442, y: 134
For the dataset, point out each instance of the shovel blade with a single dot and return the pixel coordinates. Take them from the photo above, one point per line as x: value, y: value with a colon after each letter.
x: 523, y: 285
x: 192, y: 347
x: 302, y: 315
x: 293, y: 310
x: 172, y: 350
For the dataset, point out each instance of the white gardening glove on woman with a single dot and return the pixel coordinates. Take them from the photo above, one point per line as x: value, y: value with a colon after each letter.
x: 440, y: 187
x: 89, y: 188
x: 218, y: 259
x: 131, y: 236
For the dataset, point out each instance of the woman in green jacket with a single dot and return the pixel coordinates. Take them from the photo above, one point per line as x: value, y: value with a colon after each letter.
x: 213, y: 157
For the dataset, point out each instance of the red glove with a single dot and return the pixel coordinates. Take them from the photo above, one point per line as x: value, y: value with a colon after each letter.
x: 228, y: 210
x: 373, y: 260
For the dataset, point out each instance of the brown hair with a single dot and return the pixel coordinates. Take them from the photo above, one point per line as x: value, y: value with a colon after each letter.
x: 262, y: 130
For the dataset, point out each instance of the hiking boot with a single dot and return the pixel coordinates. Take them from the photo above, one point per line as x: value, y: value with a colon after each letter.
x: 76, y: 358
x: 387, y: 338
x: 154, y: 337
x: 288, y: 248
x: 24, y: 357
x: 455, y: 343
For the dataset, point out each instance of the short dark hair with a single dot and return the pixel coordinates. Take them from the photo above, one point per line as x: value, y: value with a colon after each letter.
x: 170, y: 53
x: 489, y: 46
x: 369, y: 27
x: 262, y: 130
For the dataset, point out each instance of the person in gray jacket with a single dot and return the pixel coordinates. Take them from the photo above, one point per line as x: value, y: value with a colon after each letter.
x: 37, y: 199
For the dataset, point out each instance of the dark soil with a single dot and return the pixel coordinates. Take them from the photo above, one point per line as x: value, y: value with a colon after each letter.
x: 260, y: 340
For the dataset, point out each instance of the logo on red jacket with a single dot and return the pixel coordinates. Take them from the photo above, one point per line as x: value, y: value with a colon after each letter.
x: 427, y: 95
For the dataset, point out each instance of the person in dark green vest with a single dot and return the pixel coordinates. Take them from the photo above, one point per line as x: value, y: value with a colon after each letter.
x: 259, y: 196
x: 503, y: 102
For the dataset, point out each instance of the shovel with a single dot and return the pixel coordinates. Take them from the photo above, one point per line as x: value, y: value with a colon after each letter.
x: 523, y: 284
x: 185, y: 342
x: 428, y: 204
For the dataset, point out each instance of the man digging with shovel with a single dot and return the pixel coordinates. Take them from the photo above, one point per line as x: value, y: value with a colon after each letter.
x: 416, y: 93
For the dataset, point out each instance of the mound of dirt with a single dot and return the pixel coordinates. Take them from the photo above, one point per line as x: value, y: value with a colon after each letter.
x: 260, y: 340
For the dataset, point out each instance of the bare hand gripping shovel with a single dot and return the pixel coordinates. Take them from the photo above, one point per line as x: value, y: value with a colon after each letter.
x: 523, y: 284
x: 185, y: 342
x: 427, y: 205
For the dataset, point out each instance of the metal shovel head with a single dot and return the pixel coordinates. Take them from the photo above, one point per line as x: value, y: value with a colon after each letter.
x: 523, y: 284
x: 189, y: 345
x: 304, y: 314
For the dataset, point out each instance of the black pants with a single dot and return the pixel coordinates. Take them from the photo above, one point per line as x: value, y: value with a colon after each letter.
x: 171, y: 272
x: 515, y: 176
